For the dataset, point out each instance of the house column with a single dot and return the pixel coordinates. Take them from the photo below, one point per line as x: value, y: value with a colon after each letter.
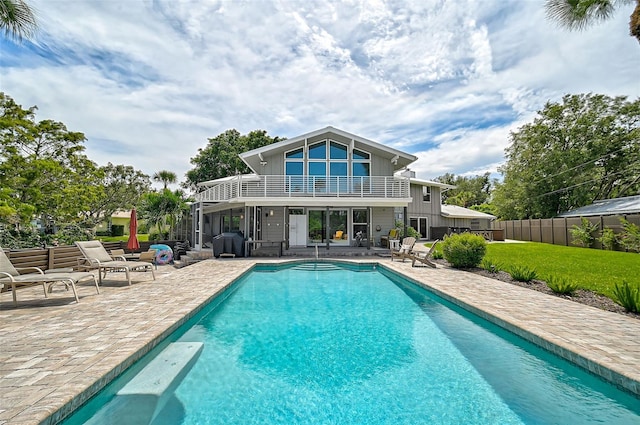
x: 369, y: 230
x: 327, y: 224
x: 406, y: 221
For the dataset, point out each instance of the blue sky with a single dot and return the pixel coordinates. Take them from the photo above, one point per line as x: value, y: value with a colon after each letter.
x: 148, y: 82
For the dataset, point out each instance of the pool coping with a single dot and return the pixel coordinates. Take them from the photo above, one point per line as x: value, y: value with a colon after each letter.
x: 38, y: 357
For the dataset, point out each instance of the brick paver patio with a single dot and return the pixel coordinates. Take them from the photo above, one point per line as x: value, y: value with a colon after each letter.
x: 54, y: 353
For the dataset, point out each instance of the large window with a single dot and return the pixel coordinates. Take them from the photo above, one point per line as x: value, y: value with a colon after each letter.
x: 329, y: 166
x: 294, y: 170
x: 361, y: 171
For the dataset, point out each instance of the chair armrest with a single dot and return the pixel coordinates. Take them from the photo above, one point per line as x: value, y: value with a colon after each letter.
x: 4, y: 275
x: 88, y: 263
x: 38, y: 269
x: 117, y: 258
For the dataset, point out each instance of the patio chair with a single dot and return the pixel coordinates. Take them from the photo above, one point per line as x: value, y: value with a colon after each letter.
x: 149, y: 256
x: 97, y: 257
x: 405, y: 249
x: 117, y: 254
x: 384, y: 240
x: 423, y: 256
x: 10, y: 276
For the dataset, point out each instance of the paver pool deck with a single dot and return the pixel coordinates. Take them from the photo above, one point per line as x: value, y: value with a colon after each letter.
x: 55, y: 354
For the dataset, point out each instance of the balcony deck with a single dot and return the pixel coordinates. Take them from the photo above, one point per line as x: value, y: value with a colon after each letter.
x: 244, y: 187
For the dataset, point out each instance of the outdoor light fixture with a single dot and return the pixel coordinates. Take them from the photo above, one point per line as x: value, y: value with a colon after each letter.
x: 267, y: 214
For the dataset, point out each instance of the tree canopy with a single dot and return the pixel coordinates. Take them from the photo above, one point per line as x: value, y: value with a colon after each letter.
x: 220, y: 157
x: 579, y: 14
x: 17, y: 19
x: 582, y: 149
x: 469, y: 190
x: 45, y: 174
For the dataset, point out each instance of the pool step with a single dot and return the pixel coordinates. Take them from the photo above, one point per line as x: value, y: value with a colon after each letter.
x: 317, y: 267
x: 140, y: 400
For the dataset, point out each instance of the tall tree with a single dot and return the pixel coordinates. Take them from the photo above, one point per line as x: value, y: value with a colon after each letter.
x: 575, y: 152
x: 469, y: 190
x: 114, y: 187
x: 220, y: 157
x: 579, y: 14
x: 17, y: 19
x: 164, y: 209
x: 166, y: 177
x: 45, y: 174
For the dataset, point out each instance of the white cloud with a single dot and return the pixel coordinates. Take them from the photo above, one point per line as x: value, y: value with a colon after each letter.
x: 149, y: 82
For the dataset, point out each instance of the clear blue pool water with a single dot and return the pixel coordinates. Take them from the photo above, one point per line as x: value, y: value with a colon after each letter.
x: 358, y: 346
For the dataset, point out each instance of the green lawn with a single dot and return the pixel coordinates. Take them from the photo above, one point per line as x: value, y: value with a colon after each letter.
x: 591, y: 269
x: 141, y: 237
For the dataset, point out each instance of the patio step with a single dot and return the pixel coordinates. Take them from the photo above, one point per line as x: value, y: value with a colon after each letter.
x: 316, y: 267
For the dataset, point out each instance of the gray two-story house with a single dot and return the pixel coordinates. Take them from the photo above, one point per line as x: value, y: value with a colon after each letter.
x: 327, y: 188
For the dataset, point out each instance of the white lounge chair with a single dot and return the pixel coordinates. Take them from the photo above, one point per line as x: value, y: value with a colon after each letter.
x: 97, y: 257
x: 10, y: 276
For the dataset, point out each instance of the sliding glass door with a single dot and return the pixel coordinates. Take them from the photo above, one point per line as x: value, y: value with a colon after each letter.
x: 338, y: 224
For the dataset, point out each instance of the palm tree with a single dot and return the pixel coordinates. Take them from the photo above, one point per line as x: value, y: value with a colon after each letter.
x: 579, y: 14
x: 166, y: 177
x: 17, y: 19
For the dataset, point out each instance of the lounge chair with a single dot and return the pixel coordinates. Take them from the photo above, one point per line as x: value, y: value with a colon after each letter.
x: 423, y: 256
x: 118, y: 254
x: 149, y: 257
x: 10, y: 276
x: 405, y: 249
x: 97, y: 257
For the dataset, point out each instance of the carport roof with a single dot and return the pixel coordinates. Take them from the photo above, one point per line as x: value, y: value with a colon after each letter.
x: 627, y: 205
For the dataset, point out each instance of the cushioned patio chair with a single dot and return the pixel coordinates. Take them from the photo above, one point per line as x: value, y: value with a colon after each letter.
x: 384, y: 239
x: 422, y: 257
x: 149, y: 257
x: 97, y: 257
x: 117, y: 254
x: 10, y: 277
x: 405, y: 249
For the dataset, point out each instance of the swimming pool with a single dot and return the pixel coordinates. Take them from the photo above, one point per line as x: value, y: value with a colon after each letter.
x: 358, y: 345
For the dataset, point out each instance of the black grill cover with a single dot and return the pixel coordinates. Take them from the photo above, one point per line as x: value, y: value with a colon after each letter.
x: 228, y: 243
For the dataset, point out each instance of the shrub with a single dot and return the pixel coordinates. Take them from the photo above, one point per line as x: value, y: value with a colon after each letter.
x: 608, y: 239
x: 630, y: 237
x: 490, y: 266
x: 437, y: 255
x: 560, y: 285
x: 411, y: 232
x: 117, y: 230
x: 464, y: 250
x: 70, y: 233
x: 583, y: 234
x: 627, y: 296
x: 155, y: 236
x: 20, y: 239
x: 522, y: 273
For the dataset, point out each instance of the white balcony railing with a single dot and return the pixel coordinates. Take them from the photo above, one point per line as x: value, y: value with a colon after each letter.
x: 267, y: 186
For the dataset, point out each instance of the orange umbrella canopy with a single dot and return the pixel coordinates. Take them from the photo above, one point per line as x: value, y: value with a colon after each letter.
x: 133, y: 243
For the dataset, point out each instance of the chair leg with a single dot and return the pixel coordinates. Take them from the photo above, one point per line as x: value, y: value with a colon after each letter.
x: 73, y: 288
x: 95, y: 281
x: 126, y: 270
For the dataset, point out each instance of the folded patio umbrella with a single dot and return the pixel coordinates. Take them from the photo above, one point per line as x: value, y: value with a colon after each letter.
x: 133, y: 243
